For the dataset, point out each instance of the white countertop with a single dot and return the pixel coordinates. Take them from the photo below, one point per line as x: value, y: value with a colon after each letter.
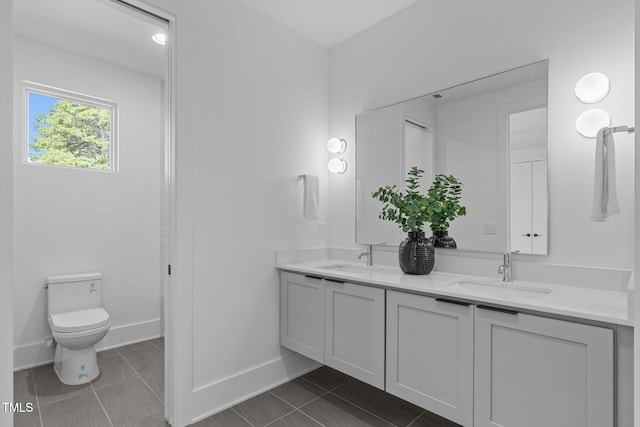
x: 583, y: 303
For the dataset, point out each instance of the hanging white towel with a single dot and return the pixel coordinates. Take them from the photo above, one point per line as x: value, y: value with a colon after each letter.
x: 605, y: 198
x: 311, y: 204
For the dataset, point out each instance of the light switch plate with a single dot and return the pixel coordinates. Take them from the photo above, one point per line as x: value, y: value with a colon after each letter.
x: 489, y: 228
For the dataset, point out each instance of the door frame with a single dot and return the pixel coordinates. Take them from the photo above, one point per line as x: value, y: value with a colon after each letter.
x: 177, y: 383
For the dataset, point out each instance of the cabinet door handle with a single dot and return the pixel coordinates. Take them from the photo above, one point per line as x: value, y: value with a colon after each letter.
x: 334, y: 280
x: 537, y: 235
x: 452, y: 301
x: 526, y: 234
x: 498, y: 309
x: 313, y: 277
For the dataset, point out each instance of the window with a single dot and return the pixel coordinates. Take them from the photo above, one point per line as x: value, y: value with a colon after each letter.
x: 70, y: 130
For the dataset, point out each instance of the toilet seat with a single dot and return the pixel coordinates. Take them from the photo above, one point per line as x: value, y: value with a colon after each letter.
x: 78, y: 321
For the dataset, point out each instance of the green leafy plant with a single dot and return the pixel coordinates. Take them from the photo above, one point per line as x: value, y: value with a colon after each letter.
x: 72, y: 134
x: 411, y: 210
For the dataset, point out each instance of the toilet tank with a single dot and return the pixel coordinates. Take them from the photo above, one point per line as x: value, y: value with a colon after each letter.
x: 72, y: 292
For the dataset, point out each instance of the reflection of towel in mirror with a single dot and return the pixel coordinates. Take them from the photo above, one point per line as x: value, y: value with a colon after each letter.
x: 311, y: 204
x: 605, y: 199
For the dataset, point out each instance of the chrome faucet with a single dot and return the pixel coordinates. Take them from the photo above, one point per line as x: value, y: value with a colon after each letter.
x: 505, y: 268
x: 369, y: 253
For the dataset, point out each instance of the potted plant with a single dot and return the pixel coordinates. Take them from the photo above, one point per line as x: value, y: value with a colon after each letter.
x: 444, y: 195
x: 411, y: 210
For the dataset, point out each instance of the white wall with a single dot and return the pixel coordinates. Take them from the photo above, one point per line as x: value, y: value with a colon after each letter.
x: 252, y: 113
x: 70, y: 220
x: 261, y: 119
x: 6, y: 212
x: 434, y: 44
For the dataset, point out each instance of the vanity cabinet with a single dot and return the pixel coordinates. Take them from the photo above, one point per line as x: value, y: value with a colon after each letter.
x: 302, y: 314
x: 430, y: 354
x: 354, y: 330
x: 476, y: 365
x: 335, y: 323
x: 532, y: 371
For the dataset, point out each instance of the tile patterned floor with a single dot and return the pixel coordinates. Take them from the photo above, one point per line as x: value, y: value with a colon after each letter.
x: 324, y: 397
x: 128, y: 392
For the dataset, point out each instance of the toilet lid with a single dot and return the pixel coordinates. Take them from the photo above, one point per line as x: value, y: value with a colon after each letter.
x: 82, y: 320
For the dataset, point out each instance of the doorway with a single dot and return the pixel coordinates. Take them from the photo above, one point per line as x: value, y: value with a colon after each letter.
x: 104, y: 207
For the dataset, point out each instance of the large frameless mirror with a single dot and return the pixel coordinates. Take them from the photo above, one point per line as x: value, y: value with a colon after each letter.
x: 490, y: 133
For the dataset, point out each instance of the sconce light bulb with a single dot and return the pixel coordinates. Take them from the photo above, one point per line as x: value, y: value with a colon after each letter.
x: 592, y: 87
x: 337, y: 165
x: 591, y: 121
x: 336, y: 145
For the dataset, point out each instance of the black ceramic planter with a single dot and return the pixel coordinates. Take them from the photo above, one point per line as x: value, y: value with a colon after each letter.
x: 441, y: 239
x: 416, y: 254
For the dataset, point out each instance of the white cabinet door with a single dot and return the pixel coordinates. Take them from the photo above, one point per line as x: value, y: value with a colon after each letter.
x: 533, y: 371
x: 302, y: 314
x: 430, y: 354
x: 354, y: 331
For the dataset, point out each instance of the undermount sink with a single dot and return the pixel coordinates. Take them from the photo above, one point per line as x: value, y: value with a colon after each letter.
x: 347, y: 268
x: 501, y: 290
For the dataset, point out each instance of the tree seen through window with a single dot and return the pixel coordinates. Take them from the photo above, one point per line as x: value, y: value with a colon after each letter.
x: 69, y: 133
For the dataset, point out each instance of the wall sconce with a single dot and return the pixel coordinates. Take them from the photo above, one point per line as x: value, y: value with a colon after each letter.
x: 337, y: 165
x: 336, y: 145
x: 591, y: 121
x: 592, y: 87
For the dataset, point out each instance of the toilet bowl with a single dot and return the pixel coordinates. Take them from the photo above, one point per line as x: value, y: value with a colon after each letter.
x: 77, y: 324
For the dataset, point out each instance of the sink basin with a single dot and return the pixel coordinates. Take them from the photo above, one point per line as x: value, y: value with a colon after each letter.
x: 354, y: 269
x: 500, y: 290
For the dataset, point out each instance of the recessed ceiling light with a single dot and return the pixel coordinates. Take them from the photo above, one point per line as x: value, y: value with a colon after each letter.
x: 160, y: 38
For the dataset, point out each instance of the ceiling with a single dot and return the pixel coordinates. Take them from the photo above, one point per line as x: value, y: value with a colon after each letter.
x: 100, y: 29
x: 329, y: 22
x: 94, y: 28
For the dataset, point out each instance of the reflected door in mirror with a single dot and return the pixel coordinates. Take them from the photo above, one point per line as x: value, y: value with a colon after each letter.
x: 528, y: 181
x: 528, y: 207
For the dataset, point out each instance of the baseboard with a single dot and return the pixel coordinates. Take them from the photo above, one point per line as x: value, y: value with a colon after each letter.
x: 217, y: 396
x: 36, y: 354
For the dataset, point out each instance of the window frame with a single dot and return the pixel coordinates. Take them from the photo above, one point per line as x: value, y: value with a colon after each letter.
x: 67, y: 95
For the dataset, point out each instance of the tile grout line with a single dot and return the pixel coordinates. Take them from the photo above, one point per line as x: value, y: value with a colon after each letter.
x: 416, y: 419
x: 279, y: 418
x: 285, y: 415
x: 311, y: 401
x: 161, y: 349
x: 240, y: 415
x: 141, y: 379
x: 368, y: 412
x: 35, y: 391
x: 285, y: 401
x: 328, y: 390
x: 101, y: 405
x: 307, y: 415
x: 343, y: 399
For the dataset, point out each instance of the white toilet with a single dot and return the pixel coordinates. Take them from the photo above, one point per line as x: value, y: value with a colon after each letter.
x: 77, y: 322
